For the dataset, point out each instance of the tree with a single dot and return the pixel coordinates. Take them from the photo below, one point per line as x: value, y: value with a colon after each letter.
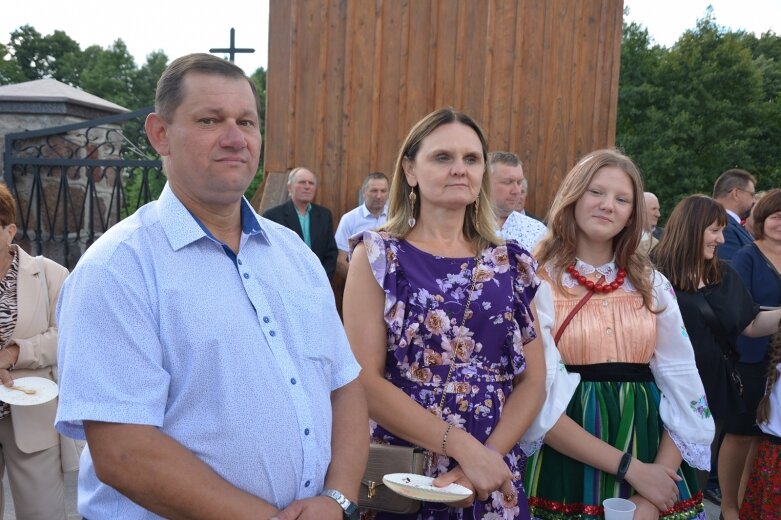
x: 259, y: 78
x: 10, y: 71
x: 52, y: 56
x: 707, y: 104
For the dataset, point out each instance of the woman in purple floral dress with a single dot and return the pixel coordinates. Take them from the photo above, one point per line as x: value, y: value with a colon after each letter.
x: 438, y: 289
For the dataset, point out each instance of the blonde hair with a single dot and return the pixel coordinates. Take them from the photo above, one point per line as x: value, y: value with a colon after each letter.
x: 557, y: 250
x: 481, y: 233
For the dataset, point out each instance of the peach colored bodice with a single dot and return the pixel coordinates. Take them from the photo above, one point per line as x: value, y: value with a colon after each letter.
x: 613, y: 327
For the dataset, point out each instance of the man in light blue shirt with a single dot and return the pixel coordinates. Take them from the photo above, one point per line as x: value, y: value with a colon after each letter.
x: 200, y: 351
x: 369, y: 215
x: 507, y: 179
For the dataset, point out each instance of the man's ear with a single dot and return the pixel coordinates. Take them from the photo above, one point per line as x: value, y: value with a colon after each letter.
x: 157, y: 133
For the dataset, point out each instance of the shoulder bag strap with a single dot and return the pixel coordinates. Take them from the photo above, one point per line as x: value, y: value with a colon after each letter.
x: 706, y: 311
x: 573, y: 312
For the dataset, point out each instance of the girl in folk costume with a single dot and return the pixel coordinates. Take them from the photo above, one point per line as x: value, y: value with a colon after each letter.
x: 626, y: 405
x: 763, y: 491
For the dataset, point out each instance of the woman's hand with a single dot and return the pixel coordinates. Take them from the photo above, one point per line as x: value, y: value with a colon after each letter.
x: 485, y: 468
x: 6, y: 378
x: 456, y: 475
x: 645, y: 509
x: 654, y: 482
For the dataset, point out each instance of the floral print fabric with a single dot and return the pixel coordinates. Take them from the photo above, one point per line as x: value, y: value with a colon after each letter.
x: 424, y: 310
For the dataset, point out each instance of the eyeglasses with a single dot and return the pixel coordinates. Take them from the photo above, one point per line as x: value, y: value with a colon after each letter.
x: 752, y: 193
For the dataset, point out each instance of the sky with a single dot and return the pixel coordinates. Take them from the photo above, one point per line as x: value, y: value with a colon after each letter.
x: 179, y: 28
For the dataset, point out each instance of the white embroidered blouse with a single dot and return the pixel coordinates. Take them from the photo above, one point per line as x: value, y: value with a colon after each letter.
x: 616, y: 327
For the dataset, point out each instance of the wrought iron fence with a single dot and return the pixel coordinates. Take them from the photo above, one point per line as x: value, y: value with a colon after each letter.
x: 73, y: 182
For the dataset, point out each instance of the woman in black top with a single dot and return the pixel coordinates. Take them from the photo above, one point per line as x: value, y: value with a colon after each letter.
x: 716, y: 309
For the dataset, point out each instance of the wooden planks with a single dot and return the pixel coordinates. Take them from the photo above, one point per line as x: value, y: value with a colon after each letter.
x: 348, y: 78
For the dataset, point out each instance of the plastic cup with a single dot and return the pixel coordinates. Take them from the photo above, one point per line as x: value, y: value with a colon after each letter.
x: 619, y: 509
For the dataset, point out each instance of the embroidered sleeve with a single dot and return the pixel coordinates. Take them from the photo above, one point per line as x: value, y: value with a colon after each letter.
x: 683, y: 407
x: 560, y: 385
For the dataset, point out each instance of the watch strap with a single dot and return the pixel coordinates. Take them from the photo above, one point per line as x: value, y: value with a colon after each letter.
x: 347, y: 506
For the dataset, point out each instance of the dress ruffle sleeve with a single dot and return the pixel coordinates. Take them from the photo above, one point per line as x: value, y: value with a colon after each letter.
x: 387, y: 271
x: 525, y: 285
x: 560, y: 385
x: 683, y: 407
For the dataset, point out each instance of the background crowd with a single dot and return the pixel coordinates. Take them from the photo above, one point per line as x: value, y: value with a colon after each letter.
x: 545, y: 366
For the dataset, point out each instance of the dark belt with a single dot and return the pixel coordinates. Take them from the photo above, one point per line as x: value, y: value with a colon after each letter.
x: 613, y: 372
x: 773, y: 439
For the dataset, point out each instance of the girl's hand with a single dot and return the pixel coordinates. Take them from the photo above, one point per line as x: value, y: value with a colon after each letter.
x: 656, y: 483
x: 645, y: 509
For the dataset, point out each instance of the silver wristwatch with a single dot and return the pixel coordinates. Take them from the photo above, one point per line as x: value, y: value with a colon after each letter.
x: 350, y: 509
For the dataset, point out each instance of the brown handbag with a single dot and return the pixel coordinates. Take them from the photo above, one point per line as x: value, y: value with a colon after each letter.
x: 384, y: 459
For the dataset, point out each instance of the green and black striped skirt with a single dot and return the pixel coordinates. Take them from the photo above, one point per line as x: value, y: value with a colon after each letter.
x: 624, y: 414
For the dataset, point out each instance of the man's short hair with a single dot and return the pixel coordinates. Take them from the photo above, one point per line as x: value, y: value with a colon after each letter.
x: 291, y: 177
x: 731, y: 179
x: 506, y: 158
x: 169, y: 93
x: 374, y: 176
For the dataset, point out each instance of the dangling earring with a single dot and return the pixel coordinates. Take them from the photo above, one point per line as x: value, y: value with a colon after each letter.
x: 412, y: 199
x: 477, y: 209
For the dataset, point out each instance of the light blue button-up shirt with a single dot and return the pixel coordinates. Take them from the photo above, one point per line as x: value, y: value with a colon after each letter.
x: 355, y: 221
x: 235, y: 358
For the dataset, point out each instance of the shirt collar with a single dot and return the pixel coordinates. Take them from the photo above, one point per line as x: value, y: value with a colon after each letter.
x: 733, y: 215
x: 182, y: 228
x: 365, y: 213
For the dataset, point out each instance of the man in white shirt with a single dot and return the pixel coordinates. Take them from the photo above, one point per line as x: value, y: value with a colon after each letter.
x: 369, y: 215
x: 649, y: 239
x: 506, y: 180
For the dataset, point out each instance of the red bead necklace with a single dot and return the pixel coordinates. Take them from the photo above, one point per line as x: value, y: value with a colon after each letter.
x: 598, y: 287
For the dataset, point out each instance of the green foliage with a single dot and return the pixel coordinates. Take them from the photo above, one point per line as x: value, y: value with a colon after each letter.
x: 709, y: 103
x: 259, y: 78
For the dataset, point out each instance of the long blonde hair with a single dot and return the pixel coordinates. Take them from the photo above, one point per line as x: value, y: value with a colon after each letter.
x: 557, y: 249
x: 480, y: 231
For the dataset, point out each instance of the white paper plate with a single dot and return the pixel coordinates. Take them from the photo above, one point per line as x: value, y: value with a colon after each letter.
x: 45, y: 391
x: 422, y: 488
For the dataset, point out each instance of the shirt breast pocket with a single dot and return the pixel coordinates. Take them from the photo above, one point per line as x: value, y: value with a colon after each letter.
x: 310, y: 317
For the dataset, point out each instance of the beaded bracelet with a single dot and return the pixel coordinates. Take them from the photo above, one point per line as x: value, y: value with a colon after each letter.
x: 444, y: 440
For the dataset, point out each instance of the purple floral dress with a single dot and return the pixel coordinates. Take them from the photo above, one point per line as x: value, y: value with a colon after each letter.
x: 424, y: 308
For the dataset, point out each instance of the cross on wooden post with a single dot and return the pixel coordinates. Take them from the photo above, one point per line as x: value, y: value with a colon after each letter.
x: 232, y: 50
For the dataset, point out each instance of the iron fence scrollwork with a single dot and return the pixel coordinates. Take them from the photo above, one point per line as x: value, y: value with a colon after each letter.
x: 73, y: 182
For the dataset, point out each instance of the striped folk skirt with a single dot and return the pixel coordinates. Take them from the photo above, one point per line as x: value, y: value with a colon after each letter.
x: 624, y: 415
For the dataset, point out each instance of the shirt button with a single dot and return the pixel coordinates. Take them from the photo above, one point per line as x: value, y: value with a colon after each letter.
x: 604, y: 303
x: 272, y: 333
x: 292, y: 380
x: 306, y: 484
x: 306, y: 431
x: 609, y: 331
x: 246, y: 275
x: 239, y: 261
x: 266, y: 319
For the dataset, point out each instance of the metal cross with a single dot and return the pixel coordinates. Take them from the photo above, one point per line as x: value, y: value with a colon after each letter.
x: 232, y: 50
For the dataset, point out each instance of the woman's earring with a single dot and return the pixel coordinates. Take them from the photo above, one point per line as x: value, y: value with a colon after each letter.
x: 412, y: 199
x: 477, y: 209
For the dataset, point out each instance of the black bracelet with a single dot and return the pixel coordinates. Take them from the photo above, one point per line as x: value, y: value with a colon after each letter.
x: 623, y: 466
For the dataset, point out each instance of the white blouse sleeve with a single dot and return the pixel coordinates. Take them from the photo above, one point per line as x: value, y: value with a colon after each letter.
x: 683, y: 407
x: 560, y: 385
